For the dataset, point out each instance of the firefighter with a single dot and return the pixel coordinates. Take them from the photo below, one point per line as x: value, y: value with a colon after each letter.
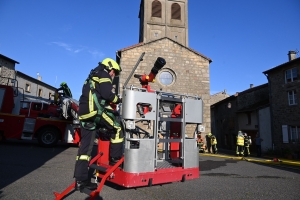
x: 247, y: 143
x: 213, y: 142
x: 95, y: 113
x: 200, y: 143
x: 66, y: 90
x: 240, y: 144
x: 208, y: 142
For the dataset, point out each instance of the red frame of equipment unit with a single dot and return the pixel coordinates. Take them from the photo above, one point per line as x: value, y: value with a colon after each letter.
x: 159, y: 176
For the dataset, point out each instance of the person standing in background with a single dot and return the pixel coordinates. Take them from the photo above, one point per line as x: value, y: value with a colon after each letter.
x: 258, y: 141
x: 208, y: 142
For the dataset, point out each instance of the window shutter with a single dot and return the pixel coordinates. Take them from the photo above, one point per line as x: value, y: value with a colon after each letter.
x: 285, y: 134
x: 176, y: 13
x: 156, y: 9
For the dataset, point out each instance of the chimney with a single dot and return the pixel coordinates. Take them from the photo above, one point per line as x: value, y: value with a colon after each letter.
x: 292, y: 55
x: 251, y: 85
x: 39, y: 77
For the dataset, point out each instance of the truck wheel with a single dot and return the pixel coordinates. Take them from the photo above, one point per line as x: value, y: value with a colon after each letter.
x: 48, y: 137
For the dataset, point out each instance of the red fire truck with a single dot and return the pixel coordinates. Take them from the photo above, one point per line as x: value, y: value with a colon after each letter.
x: 34, y: 119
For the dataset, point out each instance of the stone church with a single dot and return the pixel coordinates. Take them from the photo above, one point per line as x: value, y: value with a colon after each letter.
x: 163, y: 33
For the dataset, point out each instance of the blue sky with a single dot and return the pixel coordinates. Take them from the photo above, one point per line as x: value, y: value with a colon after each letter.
x: 63, y: 40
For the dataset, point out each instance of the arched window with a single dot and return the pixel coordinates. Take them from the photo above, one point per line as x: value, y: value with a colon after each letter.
x: 156, y: 9
x: 176, y: 11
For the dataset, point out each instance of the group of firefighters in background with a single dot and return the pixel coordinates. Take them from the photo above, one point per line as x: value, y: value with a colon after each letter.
x: 243, y: 142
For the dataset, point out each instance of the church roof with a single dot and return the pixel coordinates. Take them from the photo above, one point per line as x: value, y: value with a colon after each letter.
x: 9, y: 59
x: 142, y: 44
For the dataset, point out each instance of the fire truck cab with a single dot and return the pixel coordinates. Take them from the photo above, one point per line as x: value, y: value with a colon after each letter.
x: 25, y: 119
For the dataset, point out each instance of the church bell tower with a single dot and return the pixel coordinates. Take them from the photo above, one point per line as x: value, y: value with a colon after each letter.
x: 164, y: 18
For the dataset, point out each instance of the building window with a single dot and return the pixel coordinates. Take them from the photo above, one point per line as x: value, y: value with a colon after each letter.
x: 50, y: 95
x: 166, y: 77
x: 290, y: 134
x: 292, y: 97
x: 156, y: 9
x: 27, y: 87
x: 294, y: 133
x: 175, y: 11
x: 155, y: 34
x: 24, y: 105
x: 229, y: 105
x: 40, y: 93
x: 291, y: 75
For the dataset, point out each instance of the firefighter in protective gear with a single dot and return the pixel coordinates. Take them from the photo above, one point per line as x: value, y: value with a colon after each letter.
x: 200, y: 143
x: 95, y: 113
x: 240, y: 144
x: 213, y: 141
x: 65, y: 89
x: 208, y: 142
x: 247, y: 143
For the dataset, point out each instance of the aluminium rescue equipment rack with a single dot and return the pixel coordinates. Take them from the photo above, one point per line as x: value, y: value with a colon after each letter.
x: 142, y: 154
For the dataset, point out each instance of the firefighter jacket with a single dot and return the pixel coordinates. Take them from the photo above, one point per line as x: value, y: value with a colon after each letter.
x: 66, y: 90
x: 240, y: 140
x: 99, y: 83
x: 247, y: 141
x: 213, y: 140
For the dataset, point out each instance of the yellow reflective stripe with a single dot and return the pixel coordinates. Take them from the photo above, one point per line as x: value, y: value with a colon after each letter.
x: 117, y: 138
x: 89, y: 115
x: 108, y: 107
x: 101, y: 80
x: 91, y: 100
x: 108, y: 119
x: 115, y: 99
x: 111, y: 122
x: 83, y: 157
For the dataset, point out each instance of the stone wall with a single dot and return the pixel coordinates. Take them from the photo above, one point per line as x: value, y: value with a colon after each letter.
x: 218, y: 97
x: 253, y: 96
x: 7, y: 70
x: 282, y: 112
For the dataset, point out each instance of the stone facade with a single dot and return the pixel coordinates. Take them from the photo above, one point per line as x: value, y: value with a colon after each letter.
x: 36, y: 90
x: 190, y: 70
x: 218, y: 97
x: 285, y: 113
x: 164, y: 33
x: 7, y: 69
x: 31, y: 88
x: 242, y: 111
x: 224, y: 122
x: 164, y: 18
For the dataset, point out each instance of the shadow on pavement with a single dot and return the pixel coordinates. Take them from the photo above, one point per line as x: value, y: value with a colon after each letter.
x: 19, y: 158
x: 211, y: 164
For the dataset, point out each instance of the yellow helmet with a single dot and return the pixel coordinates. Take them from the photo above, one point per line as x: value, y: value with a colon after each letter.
x: 111, y: 64
x: 63, y: 83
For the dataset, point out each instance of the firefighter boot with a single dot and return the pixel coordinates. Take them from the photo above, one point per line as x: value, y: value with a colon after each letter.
x: 113, y: 160
x: 80, y: 185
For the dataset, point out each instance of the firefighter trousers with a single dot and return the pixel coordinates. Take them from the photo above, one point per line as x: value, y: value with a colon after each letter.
x: 239, y: 150
x: 247, y: 151
x: 84, y: 154
x: 109, y: 121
